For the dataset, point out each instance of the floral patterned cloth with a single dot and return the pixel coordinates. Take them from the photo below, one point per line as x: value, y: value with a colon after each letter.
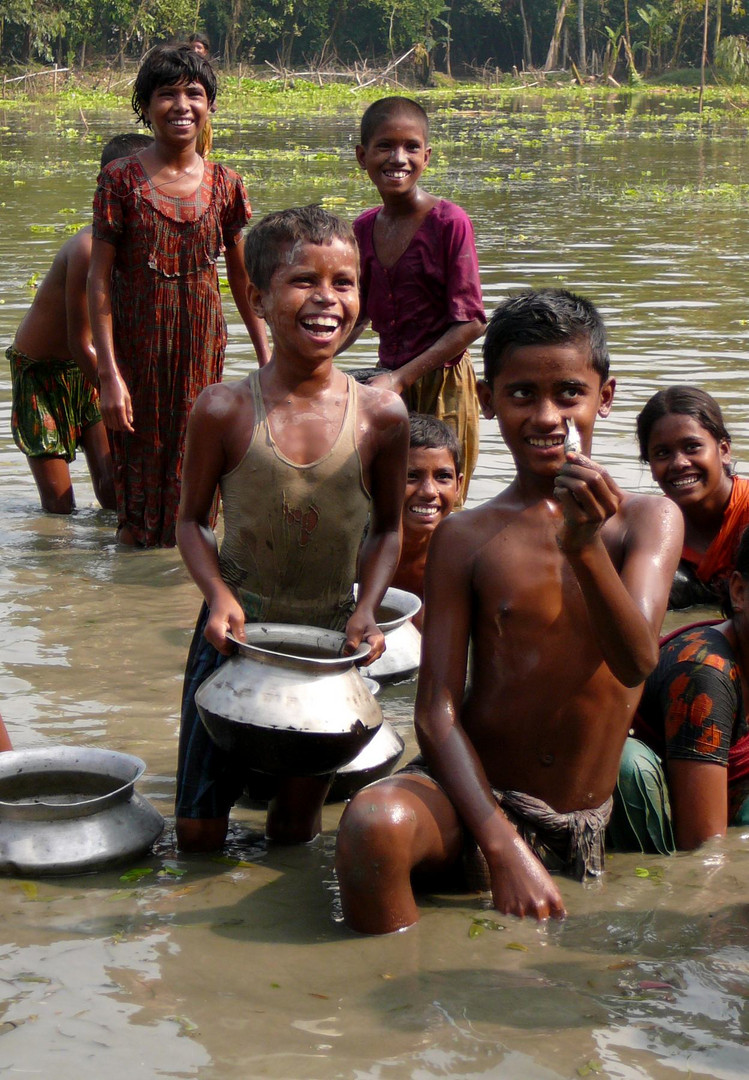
x: 692, y: 707
x: 53, y: 404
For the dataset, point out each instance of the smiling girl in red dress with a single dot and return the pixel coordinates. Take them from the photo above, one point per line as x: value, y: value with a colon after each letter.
x: 161, y: 219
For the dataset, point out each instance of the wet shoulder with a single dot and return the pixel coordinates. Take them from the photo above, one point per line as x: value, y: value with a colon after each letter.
x: 379, y: 409
x: 222, y: 403
x: 473, y: 529
x: 650, y: 517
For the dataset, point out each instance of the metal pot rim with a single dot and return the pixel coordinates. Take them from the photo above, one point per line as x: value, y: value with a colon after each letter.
x: 123, y: 769
x: 270, y: 634
x: 407, y: 604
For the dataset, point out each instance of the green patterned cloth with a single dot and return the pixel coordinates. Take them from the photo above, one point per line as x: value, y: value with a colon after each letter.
x: 641, y: 819
x: 53, y: 404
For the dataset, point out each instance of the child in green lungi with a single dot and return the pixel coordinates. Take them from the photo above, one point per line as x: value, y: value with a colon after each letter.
x: 420, y: 285
x: 53, y: 368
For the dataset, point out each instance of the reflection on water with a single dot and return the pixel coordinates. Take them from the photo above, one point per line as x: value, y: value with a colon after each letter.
x: 235, y: 968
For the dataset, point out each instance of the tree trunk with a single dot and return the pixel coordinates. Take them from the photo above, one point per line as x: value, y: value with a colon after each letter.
x: 679, y: 41
x: 628, y: 43
x: 718, y: 24
x: 527, y: 55
x: 704, y: 53
x: 582, y: 62
x: 556, y: 37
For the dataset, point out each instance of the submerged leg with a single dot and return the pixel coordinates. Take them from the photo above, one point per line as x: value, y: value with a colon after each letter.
x: 207, y: 834
x: 387, y: 831
x: 52, y: 477
x: 99, y: 461
x: 295, y: 811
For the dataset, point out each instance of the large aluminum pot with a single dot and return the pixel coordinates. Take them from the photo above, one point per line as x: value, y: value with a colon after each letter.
x: 376, y: 761
x: 289, y: 702
x: 402, y: 640
x: 71, y: 810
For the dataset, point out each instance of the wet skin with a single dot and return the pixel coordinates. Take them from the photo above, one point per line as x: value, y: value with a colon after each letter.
x: 559, y: 586
x: 56, y: 326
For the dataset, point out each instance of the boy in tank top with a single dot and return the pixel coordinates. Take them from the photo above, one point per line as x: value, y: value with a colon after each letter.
x: 302, y: 456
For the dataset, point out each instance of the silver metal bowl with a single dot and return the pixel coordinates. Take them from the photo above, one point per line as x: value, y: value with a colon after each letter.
x: 71, y: 810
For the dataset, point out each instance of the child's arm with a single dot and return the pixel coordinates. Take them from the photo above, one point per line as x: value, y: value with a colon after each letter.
x: 204, y: 464
x: 520, y: 884
x: 380, y: 551
x: 238, y: 283
x: 80, y: 341
x: 355, y: 334
x: 626, y: 606
x: 699, y: 801
x: 116, y: 406
x: 453, y: 342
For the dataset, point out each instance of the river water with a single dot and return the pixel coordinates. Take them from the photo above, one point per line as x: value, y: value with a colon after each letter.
x: 239, y: 968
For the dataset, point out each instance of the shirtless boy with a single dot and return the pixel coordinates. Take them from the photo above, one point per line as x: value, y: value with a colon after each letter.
x: 432, y: 489
x: 302, y: 456
x: 53, y: 366
x: 558, y: 586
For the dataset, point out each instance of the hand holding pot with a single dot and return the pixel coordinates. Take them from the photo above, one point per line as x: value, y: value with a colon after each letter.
x: 226, y: 617
x: 362, y: 626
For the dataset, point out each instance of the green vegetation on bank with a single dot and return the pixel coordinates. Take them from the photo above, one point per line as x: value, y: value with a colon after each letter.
x: 263, y: 97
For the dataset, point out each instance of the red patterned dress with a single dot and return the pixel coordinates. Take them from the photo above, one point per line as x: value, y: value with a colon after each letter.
x: 168, y: 326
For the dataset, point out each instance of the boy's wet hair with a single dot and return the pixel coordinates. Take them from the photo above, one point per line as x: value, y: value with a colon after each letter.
x: 545, y: 317
x: 429, y: 433
x: 266, y: 242
x: 382, y: 110
x: 686, y: 401
x: 130, y: 142
x: 170, y: 65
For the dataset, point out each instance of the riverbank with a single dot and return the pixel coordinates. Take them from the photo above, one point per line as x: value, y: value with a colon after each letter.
x: 265, y: 94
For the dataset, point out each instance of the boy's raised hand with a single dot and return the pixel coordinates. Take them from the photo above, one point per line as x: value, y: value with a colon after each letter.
x: 588, y: 496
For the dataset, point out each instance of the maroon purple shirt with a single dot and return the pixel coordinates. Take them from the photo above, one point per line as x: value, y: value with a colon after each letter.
x: 434, y: 283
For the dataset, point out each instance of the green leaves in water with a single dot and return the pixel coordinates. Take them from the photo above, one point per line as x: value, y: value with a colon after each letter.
x: 655, y: 874
x: 139, y: 872
x: 478, y: 926
x: 590, y: 1068
x: 136, y: 873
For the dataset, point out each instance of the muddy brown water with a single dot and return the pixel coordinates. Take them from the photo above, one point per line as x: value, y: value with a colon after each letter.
x: 238, y: 967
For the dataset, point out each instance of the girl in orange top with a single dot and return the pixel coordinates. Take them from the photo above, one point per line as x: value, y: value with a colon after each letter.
x: 683, y: 438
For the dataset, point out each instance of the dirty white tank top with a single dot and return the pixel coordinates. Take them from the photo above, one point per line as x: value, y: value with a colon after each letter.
x: 292, y: 532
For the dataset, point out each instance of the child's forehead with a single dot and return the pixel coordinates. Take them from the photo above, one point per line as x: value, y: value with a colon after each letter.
x: 337, y: 252
x: 400, y: 121
x: 435, y: 457
x: 177, y: 84
x: 554, y: 362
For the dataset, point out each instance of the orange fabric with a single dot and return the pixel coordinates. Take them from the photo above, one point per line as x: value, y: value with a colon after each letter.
x: 718, y: 560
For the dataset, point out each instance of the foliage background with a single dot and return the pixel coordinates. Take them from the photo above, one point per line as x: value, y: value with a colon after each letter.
x: 598, y: 36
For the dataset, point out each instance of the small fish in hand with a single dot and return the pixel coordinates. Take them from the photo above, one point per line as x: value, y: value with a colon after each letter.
x: 572, y: 438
